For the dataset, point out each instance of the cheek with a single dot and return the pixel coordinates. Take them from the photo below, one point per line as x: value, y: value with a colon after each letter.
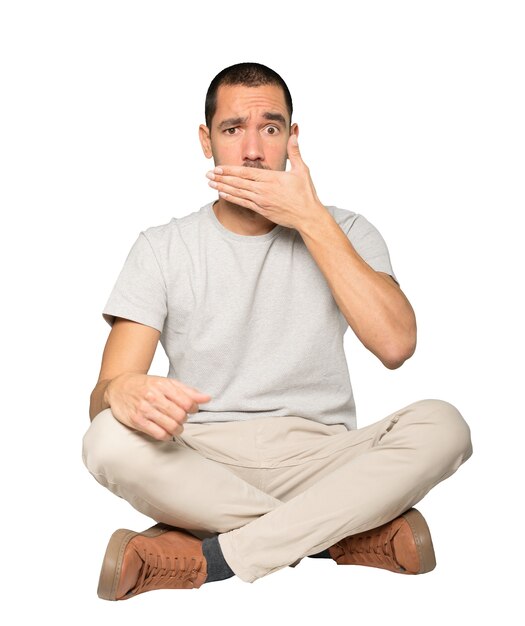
x: 226, y: 151
x: 277, y: 156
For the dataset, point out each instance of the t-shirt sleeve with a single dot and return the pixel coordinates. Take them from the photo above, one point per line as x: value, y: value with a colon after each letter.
x: 369, y: 244
x: 140, y: 291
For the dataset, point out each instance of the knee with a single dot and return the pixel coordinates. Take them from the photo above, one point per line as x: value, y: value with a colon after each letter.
x: 102, y: 445
x: 450, y: 432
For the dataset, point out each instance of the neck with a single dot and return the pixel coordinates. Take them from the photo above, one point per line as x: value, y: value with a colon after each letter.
x: 241, y: 220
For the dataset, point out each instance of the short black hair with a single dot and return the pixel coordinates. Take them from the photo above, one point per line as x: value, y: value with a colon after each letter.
x: 248, y: 74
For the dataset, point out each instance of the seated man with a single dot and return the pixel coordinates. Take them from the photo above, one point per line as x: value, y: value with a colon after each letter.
x: 247, y: 454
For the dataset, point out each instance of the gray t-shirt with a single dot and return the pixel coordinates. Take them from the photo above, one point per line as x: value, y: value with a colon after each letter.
x: 250, y: 320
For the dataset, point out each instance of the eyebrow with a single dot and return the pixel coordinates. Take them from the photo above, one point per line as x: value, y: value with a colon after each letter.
x: 268, y: 115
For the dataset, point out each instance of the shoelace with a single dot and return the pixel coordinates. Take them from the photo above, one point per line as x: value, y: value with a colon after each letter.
x: 377, y: 548
x: 160, y: 572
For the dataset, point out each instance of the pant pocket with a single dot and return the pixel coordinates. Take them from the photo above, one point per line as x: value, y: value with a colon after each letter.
x: 384, y: 428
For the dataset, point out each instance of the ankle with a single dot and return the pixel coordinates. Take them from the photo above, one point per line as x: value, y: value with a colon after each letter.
x: 216, y: 565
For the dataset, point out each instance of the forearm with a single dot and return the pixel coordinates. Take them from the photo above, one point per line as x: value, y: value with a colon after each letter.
x: 98, y: 399
x: 376, y: 310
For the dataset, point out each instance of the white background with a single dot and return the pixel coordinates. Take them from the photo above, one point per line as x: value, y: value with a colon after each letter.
x: 411, y: 113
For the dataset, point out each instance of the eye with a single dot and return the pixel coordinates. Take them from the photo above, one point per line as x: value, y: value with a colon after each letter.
x: 274, y: 129
x: 227, y: 131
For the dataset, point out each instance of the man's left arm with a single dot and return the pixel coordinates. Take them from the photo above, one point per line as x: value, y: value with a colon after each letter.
x: 372, y: 303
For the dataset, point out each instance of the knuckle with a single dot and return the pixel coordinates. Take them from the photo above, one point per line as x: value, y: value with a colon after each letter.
x: 158, y: 434
x: 176, y: 428
x: 162, y: 435
x: 137, y: 421
x: 153, y: 429
x: 182, y: 414
x: 185, y: 404
x: 182, y: 399
x: 142, y: 406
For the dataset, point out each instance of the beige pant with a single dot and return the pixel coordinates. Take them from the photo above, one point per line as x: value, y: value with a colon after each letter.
x: 280, y: 488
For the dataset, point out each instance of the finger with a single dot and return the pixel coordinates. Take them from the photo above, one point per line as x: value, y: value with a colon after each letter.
x: 235, y: 181
x: 184, y: 396
x: 191, y: 391
x: 250, y: 173
x: 241, y: 202
x: 151, y: 428
x: 168, y: 423
x: 174, y: 408
x: 235, y: 191
x: 294, y: 154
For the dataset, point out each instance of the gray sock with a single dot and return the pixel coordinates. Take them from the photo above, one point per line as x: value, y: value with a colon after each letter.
x: 217, y: 567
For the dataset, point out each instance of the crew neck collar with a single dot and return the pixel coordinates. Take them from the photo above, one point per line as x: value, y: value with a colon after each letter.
x: 235, y: 236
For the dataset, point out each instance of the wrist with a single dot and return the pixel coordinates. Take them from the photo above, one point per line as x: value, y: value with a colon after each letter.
x: 315, y: 218
x: 106, y: 393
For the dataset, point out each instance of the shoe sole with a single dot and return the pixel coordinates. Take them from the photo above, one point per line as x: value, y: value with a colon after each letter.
x: 112, y: 563
x: 423, y: 540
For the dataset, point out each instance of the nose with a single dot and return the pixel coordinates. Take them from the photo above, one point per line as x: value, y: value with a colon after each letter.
x: 252, y: 148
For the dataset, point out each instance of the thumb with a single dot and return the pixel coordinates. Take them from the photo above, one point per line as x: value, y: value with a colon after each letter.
x: 294, y: 153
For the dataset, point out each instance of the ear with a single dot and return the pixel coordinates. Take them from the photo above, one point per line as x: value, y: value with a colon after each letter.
x: 204, y: 136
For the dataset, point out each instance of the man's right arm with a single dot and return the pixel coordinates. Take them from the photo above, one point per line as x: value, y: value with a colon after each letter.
x: 130, y: 347
x: 155, y: 405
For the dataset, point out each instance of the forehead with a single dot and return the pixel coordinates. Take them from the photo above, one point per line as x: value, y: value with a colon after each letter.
x: 242, y: 100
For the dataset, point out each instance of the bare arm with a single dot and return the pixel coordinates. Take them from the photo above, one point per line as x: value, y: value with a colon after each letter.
x: 130, y: 348
x: 373, y: 304
x: 155, y: 405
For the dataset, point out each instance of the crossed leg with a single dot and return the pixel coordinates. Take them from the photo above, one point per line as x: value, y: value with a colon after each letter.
x: 302, y: 509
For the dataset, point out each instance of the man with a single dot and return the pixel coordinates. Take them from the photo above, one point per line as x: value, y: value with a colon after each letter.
x: 247, y: 454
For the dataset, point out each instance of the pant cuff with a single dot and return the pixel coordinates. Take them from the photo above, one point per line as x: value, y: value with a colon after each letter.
x: 230, y: 554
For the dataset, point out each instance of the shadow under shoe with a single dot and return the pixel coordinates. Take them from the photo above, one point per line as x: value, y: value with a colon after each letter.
x: 160, y: 557
x: 403, y: 545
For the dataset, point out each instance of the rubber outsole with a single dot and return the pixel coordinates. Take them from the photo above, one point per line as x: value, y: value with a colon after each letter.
x: 423, y: 539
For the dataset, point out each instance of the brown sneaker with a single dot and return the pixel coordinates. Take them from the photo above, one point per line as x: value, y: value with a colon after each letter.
x: 403, y: 545
x: 161, y: 557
